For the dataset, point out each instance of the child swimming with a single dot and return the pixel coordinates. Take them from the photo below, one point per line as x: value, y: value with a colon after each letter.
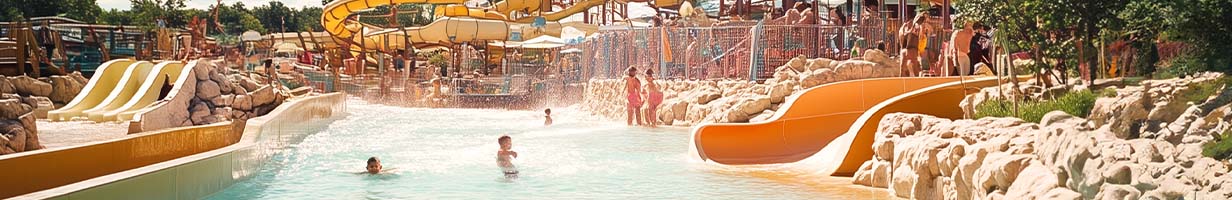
x: 504, y: 157
x: 374, y: 165
x: 548, y: 117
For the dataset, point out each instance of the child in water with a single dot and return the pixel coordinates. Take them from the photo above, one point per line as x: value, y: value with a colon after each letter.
x: 374, y: 165
x: 633, y: 88
x: 548, y: 116
x: 653, y: 97
x: 504, y: 157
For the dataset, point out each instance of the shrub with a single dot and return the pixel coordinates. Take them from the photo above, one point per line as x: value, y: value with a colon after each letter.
x: 1074, y: 103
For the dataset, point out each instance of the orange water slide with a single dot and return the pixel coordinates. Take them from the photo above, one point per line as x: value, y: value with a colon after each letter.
x: 830, y: 128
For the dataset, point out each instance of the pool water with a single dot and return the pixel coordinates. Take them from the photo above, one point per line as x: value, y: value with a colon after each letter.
x: 450, y: 154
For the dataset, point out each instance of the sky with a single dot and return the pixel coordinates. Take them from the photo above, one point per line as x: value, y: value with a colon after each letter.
x: 205, y: 4
x: 635, y: 9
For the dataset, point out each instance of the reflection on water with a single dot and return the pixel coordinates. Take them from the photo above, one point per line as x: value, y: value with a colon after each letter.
x: 450, y: 154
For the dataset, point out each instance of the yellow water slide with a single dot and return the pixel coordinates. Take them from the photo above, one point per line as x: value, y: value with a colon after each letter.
x: 124, y: 90
x: 95, y: 91
x: 148, y: 92
x: 830, y: 128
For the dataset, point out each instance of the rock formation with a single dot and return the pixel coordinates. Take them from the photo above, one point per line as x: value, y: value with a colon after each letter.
x: 689, y: 102
x: 219, y: 97
x: 1062, y: 157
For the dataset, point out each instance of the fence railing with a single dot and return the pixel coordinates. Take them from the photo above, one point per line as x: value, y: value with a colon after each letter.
x: 748, y: 51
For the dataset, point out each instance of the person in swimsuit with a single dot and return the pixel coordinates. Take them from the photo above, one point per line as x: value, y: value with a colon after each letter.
x: 548, y: 115
x: 910, y: 59
x: 633, y: 89
x: 922, y: 29
x: 504, y: 157
x: 654, y: 97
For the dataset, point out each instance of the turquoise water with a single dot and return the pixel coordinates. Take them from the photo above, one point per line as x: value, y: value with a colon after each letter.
x: 450, y: 154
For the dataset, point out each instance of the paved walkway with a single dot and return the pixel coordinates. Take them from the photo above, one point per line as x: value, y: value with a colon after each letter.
x: 62, y: 134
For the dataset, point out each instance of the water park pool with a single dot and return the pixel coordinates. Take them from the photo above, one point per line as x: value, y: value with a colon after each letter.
x: 449, y: 153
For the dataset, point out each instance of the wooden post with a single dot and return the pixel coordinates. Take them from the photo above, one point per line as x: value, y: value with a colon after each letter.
x: 36, y: 50
x: 21, y: 47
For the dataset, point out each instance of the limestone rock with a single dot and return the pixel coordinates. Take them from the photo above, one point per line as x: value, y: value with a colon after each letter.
x: 242, y: 102
x: 6, y: 87
x: 198, y: 112
x: 13, y: 108
x: 207, y: 89
x: 223, y: 100
x: 797, y: 63
x: 40, y: 105
x: 262, y: 96
x: 27, y: 86
x: 818, y: 63
x: 64, y: 89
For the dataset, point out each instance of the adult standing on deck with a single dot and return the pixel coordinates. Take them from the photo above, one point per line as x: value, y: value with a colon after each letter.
x: 910, y: 55
x: 960, y: 46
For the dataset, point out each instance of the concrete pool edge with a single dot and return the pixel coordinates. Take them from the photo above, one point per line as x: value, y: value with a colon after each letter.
x: 199, y: 175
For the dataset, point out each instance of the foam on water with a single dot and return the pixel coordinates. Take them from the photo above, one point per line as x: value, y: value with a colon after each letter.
x: 450, y: 153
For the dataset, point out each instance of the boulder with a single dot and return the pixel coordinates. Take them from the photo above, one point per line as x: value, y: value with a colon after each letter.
x: 207, y: 89
x: 76, y: 76
x: 64, y: 89
x: 247, y: 83
x: 198, y: 111
x: 40, y: 105
x: 1115, y: 191
x: 13, y: 108
x: 223, y: 100
x: 6, y: 87
x: 815, y: 78
x: 797, y: 63
x: 818, y: 63
x: 32, y: 140
x: 262, y: 96
x: 17, y: 135
x: 27, y: 86
x: 779, y: 91
x: 242, y: 102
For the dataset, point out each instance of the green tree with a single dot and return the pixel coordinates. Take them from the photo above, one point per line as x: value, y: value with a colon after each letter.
x: 276, y: 17
x: 84, y: 10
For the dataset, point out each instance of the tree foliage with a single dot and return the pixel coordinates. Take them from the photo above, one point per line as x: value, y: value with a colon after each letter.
x: 1053, y: 31
x: 84, y: 10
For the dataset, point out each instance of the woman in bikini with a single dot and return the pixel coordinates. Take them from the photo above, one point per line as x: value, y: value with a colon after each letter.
x: 633, y: 90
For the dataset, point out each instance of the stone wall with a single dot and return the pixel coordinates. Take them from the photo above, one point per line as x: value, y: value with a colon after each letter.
x: 208, y: 96
x: 1063, y: 157
x: 690, y: 102
x: 23, y: 99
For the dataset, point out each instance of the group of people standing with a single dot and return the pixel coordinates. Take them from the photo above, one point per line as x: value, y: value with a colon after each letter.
x: 635, y: 94
x: 966, y: 48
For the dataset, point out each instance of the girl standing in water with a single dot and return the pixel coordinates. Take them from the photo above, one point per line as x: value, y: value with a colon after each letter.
x: 634, y: 92
x: 653, y: 97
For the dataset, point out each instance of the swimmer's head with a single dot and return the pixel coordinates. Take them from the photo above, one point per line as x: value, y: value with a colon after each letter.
x: 547, y: 111
x: 505, y: 142
x: 374, y: 165
x: 632, y: 71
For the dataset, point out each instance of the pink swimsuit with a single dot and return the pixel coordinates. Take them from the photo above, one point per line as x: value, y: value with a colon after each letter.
x: 635, y: 99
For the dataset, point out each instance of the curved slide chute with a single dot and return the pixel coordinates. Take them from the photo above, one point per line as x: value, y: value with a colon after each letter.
x: 830, y: 128
x: 148, y: 92
x: 128, y: 85
x: 95, y: 91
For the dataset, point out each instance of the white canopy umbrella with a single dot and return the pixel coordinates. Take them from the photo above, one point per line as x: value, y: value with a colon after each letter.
x: 250, y: 36
x: 287, y: 48
x: 543, y: 42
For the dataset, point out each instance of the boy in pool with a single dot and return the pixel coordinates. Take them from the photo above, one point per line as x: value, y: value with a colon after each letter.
x: 548, y: 116
x: 504, y: 157
x: 374, y: 165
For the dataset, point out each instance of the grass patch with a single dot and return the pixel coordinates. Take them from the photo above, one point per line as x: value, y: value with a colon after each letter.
x: 1221, y: 148
x: 1201, y: 91
x: 1075, y: 103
